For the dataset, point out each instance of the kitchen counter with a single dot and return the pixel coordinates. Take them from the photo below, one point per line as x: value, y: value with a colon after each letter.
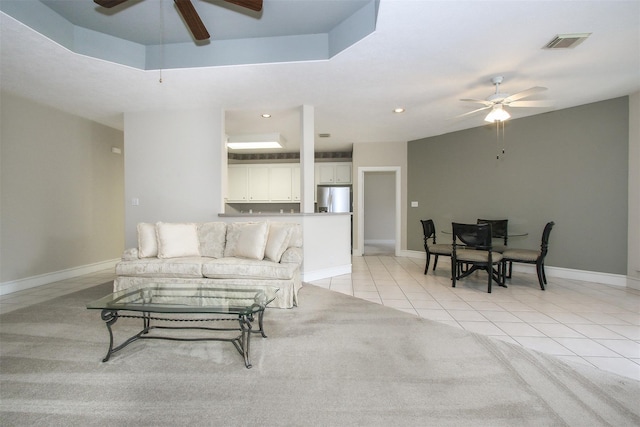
x: 326, y: 239
x: 278, y: 214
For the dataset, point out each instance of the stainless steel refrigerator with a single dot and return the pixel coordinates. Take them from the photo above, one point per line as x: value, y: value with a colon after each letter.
x: 334, y: 198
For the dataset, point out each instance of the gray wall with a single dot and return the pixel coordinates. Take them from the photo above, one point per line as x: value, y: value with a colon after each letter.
x: 62, y: 191
x: 633, y: 263
x: 569, y: 166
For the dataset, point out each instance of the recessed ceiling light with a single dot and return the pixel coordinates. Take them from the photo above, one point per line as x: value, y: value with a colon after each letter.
x: 266, y: 116
x: 398, y: 110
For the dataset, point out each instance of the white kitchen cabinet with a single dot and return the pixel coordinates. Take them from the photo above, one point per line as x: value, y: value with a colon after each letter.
x: 334, y: 173
x: 258, y: 183
x: 280, y: 183
x: 237, y: 182
x: 295, y: 183
x: 263, y: 183
x: 343, y: 173
x: 326, y: 174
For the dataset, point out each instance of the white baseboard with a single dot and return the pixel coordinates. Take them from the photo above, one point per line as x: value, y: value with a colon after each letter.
x: 56, y: 276
x: 413, y: 254
x: 633, y: 283
x: 560, y: 272
x: 379, y: 242
x: 585, y: 276
x: 310, y: 276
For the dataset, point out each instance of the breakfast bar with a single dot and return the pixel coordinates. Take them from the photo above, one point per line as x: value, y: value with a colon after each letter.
x: 326, y: 236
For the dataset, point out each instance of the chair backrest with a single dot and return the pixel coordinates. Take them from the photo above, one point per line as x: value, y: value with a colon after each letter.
x: 429, y: 230
x: 499, y: 228
x: 545, y: 238
x: 476, y: 236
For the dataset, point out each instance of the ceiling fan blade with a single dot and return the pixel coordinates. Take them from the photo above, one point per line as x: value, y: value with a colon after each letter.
x: 523, y: 94
x: 192, y: 19
x: 249, y: 4
x: 475, y: 111
x: 479, y: 101
x: 531, y: 104
x: 109, y: 3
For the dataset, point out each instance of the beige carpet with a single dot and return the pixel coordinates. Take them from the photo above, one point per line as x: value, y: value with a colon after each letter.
x: 334, y: 361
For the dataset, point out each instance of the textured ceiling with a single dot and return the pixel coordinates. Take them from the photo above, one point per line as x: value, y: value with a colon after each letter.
x: 423, y: 55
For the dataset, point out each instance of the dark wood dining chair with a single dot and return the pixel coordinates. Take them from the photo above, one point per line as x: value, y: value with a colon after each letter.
x: 430, y: 245
x: 499, y: 231
x: 472, y: 249
x: 530, y: 256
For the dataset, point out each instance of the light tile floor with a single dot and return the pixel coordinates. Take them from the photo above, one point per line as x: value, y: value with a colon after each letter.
x: 580, y: 322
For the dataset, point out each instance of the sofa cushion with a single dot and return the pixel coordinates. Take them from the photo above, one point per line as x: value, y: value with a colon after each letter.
x: 292, y: 255
x: 296, y: 235
x: 246, y: 240
x: 147, y: 240
x: 213, y: 236
x: 155, y: 267
x: 238, y: 268
x: 177, y: 240
x: 278, y: 240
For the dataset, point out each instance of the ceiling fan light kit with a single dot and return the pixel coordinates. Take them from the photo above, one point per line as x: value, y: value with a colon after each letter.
x: 497, y: 114
x: 499, y: 100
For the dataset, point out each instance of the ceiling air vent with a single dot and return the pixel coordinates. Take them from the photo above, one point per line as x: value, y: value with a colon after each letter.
x: 324, y: 135
x: 566, y: 41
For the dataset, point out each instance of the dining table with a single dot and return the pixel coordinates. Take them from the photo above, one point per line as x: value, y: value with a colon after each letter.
x: 509, y: 234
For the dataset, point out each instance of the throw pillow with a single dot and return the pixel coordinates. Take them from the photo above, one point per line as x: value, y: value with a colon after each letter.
x: 147, y: 240
x: 177, y: 240
x: 278, y: 241
x: 246, y: 240
x: 212, y: 236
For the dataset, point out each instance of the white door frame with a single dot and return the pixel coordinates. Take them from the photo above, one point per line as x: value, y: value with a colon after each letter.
x: 361, y: 171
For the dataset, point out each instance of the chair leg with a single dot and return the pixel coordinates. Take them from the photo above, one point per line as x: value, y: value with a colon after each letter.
x: 540, y: 271
x: 454, y: 272
x: 435, y: 262
x: 544, y: 276
x: 490, y: 273
x: 426, y: 267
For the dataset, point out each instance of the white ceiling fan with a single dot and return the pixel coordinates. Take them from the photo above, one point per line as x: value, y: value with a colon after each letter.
x: 499, y: 100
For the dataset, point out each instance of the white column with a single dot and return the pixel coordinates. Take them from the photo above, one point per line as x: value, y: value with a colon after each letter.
x: 307, y: 159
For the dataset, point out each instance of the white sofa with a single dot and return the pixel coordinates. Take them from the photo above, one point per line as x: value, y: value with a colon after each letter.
x: 214, y: 253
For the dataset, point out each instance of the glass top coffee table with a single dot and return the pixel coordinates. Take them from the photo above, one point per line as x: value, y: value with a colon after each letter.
x: 163, y: 303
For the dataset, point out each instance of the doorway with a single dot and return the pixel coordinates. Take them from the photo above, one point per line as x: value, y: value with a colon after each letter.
x: 379, y: 210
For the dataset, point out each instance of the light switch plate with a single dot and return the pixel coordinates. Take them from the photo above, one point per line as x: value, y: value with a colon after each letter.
x: 414, y: 204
